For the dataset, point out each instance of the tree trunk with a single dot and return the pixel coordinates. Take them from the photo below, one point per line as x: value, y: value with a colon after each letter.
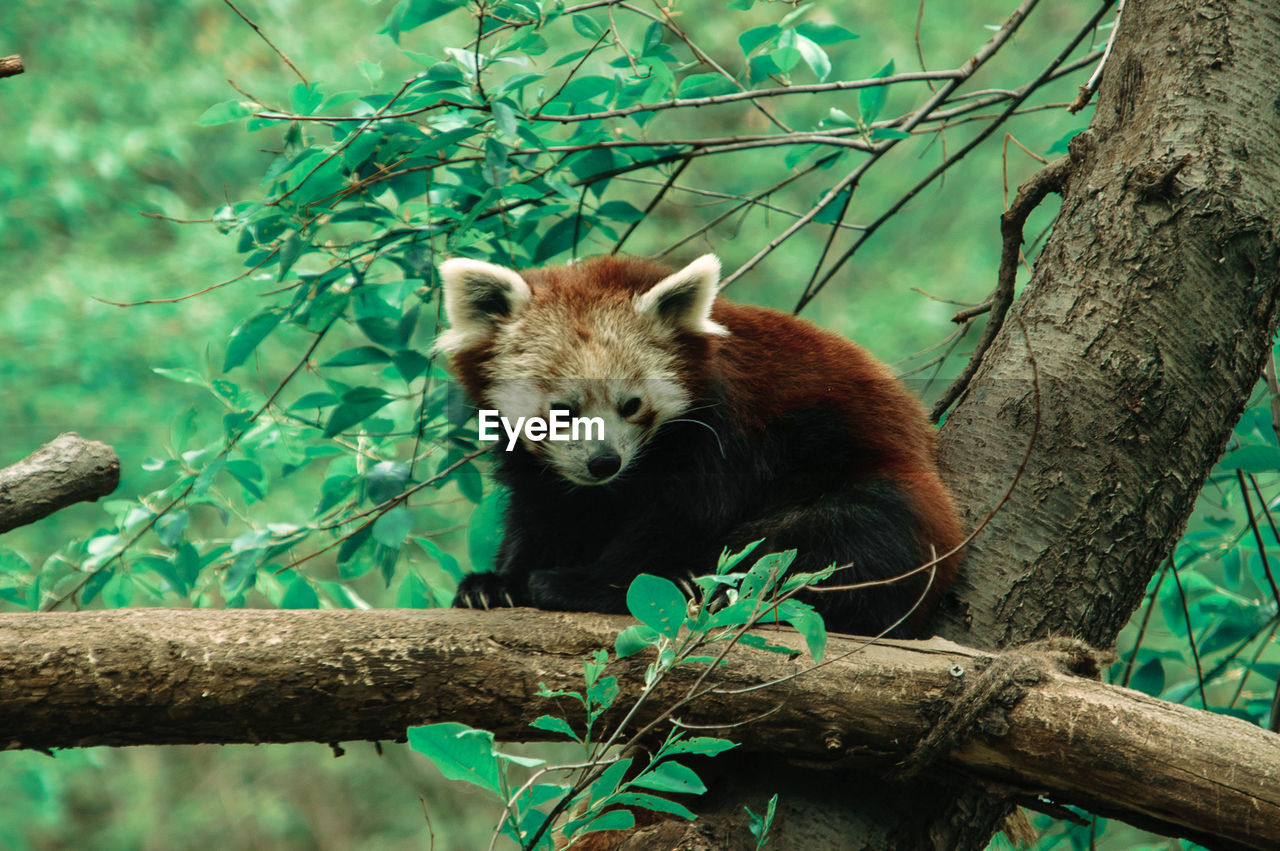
x: 1149, y: 314
x: 1022, y: 720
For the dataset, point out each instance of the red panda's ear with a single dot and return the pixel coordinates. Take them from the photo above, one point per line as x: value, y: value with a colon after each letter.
x: 683, y: 300
x: 477, y: 297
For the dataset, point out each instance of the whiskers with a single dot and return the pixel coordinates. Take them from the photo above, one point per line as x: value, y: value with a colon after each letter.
x: 707, y: 426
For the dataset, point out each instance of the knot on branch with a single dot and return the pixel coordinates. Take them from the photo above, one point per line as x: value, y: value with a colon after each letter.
x: 983, y: 702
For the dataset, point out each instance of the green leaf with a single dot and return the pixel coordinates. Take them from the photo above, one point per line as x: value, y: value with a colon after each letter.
x: 117, y: 593
x: 248, y: 335
x: 825, y: 34
x: 387, y: 479
x: 300, y: 595
x: 560, y: 237
x: 358, y: 356
x: 414, y: 594
x: 1252, y: 458
x: 169, y: 528
x: 314, y: 400
x: 391, y: 528
x: 182, y: 375
x: 756, y: 36
x: 553, y: 724
x: 657, y: 603
x: 889, y: 133
x: 226, y: 112
x: 652, y: 802
x: 633, y: 639
x: 1226, y: 634
x: 353, y: 411
x: 460, y: 753
x: 609, y: 780
x: 1060, y: 146
x: 1149, y: 678
x: 784, y: 58
x: 587, y: 27
x: 612, y: 820
x: 760, y: 825
x: 671, y: 776
x: 871, y: 100
x: 94, y: 584
x: 372, y: 71
x: 619, y: 211
x: 14, y: 563
x: 728, y: 561
x: 808, y: 623
x: 705, y: 85
x: 700, y: 745
x: 814, y: 56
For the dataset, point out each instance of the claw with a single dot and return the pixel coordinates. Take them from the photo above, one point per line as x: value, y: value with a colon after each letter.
x: 510, y: 602
x: 484, y: 600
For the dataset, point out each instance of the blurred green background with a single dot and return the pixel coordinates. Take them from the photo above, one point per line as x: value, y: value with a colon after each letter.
x: 102, y: 127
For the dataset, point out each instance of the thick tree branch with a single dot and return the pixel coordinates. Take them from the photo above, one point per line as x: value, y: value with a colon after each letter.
x: 67, y: 470
x: 1020, y: 720
x: 11, y: 66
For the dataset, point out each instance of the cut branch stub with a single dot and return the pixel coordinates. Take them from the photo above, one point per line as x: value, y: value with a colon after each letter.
x: 66, y: 470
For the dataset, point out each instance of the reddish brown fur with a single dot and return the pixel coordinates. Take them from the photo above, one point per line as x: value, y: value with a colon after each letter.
x: 770, y: 365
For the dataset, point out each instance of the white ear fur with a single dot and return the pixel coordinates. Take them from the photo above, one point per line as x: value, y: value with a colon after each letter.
x: 684, y: 299
x: 477, y: 296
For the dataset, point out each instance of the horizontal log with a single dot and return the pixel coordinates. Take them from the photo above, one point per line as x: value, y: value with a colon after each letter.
x: 159, y: 676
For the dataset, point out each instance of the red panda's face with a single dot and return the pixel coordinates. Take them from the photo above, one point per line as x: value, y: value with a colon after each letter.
x: 596, y: 347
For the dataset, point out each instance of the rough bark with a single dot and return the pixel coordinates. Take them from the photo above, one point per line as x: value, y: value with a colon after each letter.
x: 66, y: 470
x: 11, y: 66
x: 1020, y: 720
x: 1148, y: 315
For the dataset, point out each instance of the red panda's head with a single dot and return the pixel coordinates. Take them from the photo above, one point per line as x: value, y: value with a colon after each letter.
x: 618, y: 344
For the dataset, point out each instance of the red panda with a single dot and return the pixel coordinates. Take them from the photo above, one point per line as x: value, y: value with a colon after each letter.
x: 722, y: 424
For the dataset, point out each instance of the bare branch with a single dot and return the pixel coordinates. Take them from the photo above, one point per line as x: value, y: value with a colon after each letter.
x: 270, y: 44
x: 1051, y: 178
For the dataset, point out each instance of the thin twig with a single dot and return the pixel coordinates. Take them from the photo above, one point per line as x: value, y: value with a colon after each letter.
x: 954, y: 79
x: 208, y: 289
x: 270, y: 44
x: 1146, y: 619
x: 1088, y: 89
x: 653, y: 202
x: 1052, y: 178
x: 1023, y: 94
x: 1257, y: 534
x: 1191, y: 637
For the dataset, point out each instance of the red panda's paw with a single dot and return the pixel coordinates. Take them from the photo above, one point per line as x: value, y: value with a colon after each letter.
x: 483, y: 591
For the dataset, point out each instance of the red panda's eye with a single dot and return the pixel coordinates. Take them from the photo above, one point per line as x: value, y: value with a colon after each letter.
x: 567, y: 407
x: 629, y: 407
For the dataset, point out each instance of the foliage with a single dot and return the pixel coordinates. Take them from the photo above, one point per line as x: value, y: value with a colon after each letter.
x: 600, y: 789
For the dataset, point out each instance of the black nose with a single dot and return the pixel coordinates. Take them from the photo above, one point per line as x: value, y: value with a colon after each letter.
x: 604, y: 464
